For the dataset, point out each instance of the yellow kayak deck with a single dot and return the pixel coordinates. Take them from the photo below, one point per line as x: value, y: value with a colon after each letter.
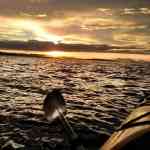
x: 125, y: 135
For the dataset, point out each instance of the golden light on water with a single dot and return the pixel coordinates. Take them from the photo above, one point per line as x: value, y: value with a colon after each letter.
x: 55, y: 54
x: 101, y: 55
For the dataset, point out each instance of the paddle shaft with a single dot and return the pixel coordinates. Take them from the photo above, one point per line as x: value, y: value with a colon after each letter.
x: 69, y: 130
x: 72, y: 136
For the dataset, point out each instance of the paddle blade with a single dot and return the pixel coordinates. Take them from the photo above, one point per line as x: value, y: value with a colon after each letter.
x: 54, y: 105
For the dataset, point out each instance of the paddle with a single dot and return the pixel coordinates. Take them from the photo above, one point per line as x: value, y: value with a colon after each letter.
x: 54, y: 107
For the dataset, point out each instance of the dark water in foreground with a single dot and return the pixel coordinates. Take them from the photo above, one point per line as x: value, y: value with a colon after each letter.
x: 99, y: 96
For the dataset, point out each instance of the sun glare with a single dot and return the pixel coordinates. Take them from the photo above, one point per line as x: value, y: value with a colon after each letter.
x: 35, y: 30
x: 55, y: 54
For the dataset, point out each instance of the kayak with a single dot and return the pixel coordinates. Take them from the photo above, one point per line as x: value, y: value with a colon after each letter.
x: 133, y: 133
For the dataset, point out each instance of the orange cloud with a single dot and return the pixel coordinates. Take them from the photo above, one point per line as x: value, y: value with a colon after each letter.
x: 93, y: 26
x: 131, y: 39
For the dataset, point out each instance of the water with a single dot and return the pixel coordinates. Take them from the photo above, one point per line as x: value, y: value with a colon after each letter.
x: 100, y: 55
x: 99, y: 95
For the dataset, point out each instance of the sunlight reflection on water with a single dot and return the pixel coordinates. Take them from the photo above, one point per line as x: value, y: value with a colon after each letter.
x: 99, y: 55
x: 82, y: 55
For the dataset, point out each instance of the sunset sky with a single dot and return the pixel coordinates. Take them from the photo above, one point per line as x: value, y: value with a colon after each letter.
x: 112, y: 22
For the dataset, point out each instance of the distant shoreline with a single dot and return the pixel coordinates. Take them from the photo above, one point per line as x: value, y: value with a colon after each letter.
x: 42, y: 46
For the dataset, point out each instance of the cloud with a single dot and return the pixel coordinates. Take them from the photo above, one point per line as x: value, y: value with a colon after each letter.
x: 136, y: 11
x: 23, y: 29
x: 82, y: 38
x: 28, y: 15
x: 90, y: 21
x: 132, y: 39
x: 110, y: 23
x: 93, y: 22
x: 105, y: 11
x: 51, y: 7
x: 145, y: 11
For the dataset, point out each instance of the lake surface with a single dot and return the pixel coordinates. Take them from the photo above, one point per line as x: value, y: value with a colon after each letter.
x: 99, y: 95
x: 100, y: 55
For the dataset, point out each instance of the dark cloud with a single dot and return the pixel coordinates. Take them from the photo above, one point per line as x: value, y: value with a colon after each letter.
x: 8, y: 7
